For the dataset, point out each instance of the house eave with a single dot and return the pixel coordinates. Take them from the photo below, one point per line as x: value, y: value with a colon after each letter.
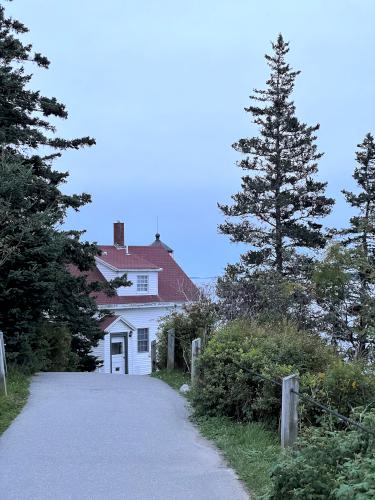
x: 120, y: 319
x: 142, y: 270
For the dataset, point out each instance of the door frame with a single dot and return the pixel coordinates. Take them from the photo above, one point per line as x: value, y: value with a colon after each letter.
x: 125, y: 337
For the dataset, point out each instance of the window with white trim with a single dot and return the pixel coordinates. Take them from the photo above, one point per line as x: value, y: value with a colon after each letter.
x: 142, y: 283
x: 142, y: 339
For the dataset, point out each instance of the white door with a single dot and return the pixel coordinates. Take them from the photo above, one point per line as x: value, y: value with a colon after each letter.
x: 118, y: 355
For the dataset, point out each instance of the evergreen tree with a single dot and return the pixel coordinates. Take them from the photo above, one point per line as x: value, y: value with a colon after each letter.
x: 362, y: 226
x: 345, y: 280
x: 35, y: 284
x: 279, y: 207
x: 347, y: 310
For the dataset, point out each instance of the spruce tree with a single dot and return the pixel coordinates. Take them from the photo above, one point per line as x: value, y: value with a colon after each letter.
x: 345, y: 280
x: 35, y: 284
x: 362, y: 226
x: 279, y: 208
x: 360, y: 237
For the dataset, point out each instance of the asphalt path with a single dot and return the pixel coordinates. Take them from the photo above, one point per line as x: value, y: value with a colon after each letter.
x: 110, y: 437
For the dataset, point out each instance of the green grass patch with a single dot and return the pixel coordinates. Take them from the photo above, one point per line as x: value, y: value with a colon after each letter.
x: 18, y: 392
x: 174, y: 378
x: 250, y: 449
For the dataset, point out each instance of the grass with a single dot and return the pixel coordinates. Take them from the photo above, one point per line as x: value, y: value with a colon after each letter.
x: 174, y: 378
x: 11, y: 405
x: 250, y: 449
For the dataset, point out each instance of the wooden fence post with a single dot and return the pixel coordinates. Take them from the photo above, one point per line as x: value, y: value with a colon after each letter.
x: 3, y: 383
x: 170, y: 358
x: 153, y: 355
x: 195, y: 351
x: 289, y: 411
x: 202, y: 333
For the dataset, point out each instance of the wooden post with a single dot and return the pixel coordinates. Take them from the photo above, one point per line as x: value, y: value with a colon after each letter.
x: 3, y: 383
x: 153, y: 355
x: 202, y: 333
x: 205, y: 337
x: 170, y: 358
x: 289, y: 411
x: 195, y: 351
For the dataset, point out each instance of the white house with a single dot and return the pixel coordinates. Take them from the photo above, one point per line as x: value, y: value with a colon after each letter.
x: 159, y: 286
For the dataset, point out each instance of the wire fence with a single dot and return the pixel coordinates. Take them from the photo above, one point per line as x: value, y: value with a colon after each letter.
x: 309, y: 399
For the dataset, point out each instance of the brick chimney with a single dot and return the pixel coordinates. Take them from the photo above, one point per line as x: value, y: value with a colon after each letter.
x: 118, y: 234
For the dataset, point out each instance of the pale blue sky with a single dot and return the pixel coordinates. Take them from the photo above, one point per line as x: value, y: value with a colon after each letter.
x: 162, y: 85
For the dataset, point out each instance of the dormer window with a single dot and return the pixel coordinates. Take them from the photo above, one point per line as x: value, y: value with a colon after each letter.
x: 142, y: 283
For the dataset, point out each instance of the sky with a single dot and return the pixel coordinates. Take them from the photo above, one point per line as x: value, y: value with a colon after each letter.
x: 161, y: 85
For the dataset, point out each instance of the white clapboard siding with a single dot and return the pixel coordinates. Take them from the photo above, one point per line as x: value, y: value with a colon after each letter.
x: 110, y: 274
x: 139, y: 363
x: 132, y: 290
x: 98, y: 351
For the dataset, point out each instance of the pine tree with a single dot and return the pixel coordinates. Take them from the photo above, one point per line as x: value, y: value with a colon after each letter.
x: 360, y: 238
x: 35, y: 283
x: 362, y: 226
x: 346, y: 278
x: 25, y: 128
x: 279, y: 207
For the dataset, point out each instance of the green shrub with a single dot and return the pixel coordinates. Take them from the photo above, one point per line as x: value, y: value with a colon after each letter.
x: 187, y: 324
x: 47, y: 349
x: 343, y: 386
x: 273, y: 350
x: 56, y: 353
x: 329, y: 465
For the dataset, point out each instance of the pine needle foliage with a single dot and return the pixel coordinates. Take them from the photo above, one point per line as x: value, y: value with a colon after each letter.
x: 36, y: 286
x: 279, y: 208
x: 362, y: 226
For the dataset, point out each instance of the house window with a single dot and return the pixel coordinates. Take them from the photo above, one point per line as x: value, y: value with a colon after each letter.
x: 142, y: 339
x: 142, y: 283
x: 116, y: 348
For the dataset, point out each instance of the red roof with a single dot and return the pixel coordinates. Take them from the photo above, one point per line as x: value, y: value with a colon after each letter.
x: 174, y: 284
x: 106, y: 321
x: 120, y: 259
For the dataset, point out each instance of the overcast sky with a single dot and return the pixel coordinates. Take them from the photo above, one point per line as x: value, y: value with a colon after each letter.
x: 161, y: 85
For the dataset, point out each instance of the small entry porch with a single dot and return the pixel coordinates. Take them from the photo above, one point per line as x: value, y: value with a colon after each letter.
x: 117, y: 346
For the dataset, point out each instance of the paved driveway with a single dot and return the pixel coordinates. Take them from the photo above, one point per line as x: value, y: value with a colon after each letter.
x: 94, y: 436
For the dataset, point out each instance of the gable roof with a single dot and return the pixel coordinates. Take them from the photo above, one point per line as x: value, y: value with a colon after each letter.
x: 174, y: 284
x: 108, y: 321
x: 122, y: 260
